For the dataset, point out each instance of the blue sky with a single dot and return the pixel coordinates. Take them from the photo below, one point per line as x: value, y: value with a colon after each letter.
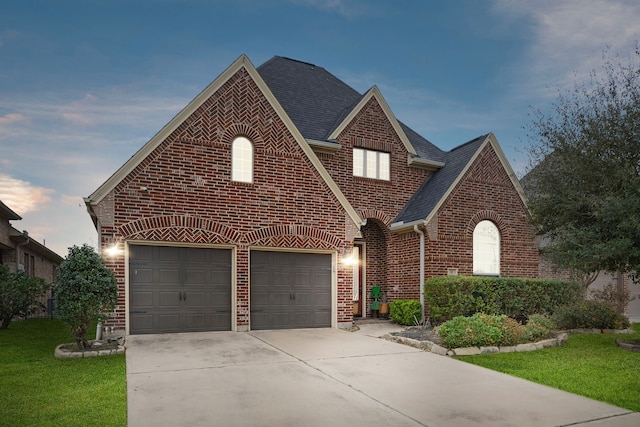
x: 85, y: 83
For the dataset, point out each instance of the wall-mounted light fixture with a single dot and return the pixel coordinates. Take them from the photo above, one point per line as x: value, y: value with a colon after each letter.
x: 113, y: 250
x: 349, y: 257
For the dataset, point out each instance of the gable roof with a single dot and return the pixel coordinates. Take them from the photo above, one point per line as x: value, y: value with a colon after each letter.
x: 313, y: 98
x: 321, y: 105
x: 7, y: 213
x: 434, y: 191
x: 242, y: 62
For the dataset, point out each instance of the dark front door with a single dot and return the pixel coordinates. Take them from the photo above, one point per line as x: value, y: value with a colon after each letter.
x: 179, y: 289
x: 290, y: 290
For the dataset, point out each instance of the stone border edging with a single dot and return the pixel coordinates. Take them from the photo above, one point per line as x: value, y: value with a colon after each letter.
x: 560, y: 339
x: 59, y: 353
x: 628, y: 345
x: 432, y: 347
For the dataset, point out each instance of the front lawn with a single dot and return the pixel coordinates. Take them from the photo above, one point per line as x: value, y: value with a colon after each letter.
x: 39, y: 390
x: 588, y: 365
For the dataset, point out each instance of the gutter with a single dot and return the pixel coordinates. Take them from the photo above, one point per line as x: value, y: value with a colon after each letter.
x: 26, y: 236
x: 421, y: 234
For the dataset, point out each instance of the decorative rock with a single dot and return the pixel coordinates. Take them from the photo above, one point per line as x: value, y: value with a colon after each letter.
x: 562, y: 338
x: 551, y: 342
x: 525, y: 347
x: 489, y: 350
x: 436, y: 349
x: 466, y: 351
x: 60, y: 353
x: 507, y: 349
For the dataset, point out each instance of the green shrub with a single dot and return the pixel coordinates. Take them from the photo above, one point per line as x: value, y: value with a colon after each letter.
x: 451, y: 296
x: 480, y: 330
x: 589, y: 314
x: 405, y: 311
x: 537, y: 328
x: 86, y: 291
x: 612, y: 295
x: 19, y: 295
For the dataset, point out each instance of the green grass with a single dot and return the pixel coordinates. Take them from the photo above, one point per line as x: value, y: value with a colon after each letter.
x: 40, y: 390
x: 588, y: 365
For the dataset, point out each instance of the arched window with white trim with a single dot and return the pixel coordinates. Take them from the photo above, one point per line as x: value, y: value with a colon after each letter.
x: 242, y: 160
x: 486, y: 249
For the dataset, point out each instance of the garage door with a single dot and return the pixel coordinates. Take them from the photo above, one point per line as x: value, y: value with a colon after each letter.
x: 174, y: 289
x: 290, y: 290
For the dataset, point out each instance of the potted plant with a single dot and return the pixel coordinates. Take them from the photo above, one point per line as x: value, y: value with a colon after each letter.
x: 384, y: 304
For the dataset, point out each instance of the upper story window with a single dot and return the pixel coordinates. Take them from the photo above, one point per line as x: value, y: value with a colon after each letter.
x: 241, y: 160
x: 486, y: 249
x: 370, y: 164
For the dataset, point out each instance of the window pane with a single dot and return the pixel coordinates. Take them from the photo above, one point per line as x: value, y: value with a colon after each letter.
x: 383, y: 166
x: 486, y: 248
x: 358, y: 162
x: 242, y: 160
x: 371, y: 162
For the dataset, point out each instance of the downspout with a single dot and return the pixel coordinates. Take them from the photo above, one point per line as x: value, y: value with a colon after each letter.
x: 421, y: 234
x: 26, y: 236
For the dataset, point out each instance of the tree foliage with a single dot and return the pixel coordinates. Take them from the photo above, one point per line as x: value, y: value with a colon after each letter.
x: 19, y: 295
x: 584, y: 190
x: 86, y: 291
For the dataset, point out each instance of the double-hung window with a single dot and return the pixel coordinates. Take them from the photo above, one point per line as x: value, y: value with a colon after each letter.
x: 371, y: 164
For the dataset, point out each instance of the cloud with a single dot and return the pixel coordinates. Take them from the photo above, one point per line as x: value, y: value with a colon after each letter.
x: 10, y: 119
x: 346, y: 8
x: 21, y: 196
x: 568, y: 38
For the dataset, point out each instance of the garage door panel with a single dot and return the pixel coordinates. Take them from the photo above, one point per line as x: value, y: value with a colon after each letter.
x: 177, y: 289
x: 169, y: 299
x: 141, y: 298
x: 289, y: 288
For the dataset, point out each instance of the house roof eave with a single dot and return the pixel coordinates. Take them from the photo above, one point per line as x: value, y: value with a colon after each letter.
x: 374, y: 92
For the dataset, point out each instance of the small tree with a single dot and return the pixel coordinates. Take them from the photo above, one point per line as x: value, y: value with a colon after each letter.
x: 19, y: 295
x: 86, y: 291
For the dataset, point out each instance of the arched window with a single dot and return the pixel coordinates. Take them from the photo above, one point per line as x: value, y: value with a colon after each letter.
x: 486, y: 249
x: 241, y: 160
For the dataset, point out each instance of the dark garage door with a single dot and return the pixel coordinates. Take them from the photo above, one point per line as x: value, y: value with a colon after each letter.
x: 175, y: 289
x: 290, y: 290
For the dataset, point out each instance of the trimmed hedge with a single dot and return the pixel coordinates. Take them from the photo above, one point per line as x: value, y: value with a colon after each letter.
x: 483, y: 330
x: 451, y: 296
x: 405, y: 311
x: 480, y: 330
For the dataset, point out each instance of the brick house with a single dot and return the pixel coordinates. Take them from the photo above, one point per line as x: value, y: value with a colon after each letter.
x: 280, y: 196
x: 19, y: 252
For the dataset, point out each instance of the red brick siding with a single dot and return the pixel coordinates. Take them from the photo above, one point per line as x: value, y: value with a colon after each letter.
x: 182, y: 191
x: 485, y: 192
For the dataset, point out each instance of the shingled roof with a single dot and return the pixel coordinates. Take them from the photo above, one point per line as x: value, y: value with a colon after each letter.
x: 317, y: 102
x: 435, y: 188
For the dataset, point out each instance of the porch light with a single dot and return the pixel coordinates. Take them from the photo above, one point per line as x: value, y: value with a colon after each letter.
x: 349, y: 258
x: 113, y: 250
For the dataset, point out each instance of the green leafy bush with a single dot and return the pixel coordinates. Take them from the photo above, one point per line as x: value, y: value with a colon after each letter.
x: 19, y: 295
x: 612, y: 295
x: 86, y: 291
x: 537, y: 328
x: 405, y: 311
x: 589, y: 314
x: 480, y: 330
x: 451, y: 296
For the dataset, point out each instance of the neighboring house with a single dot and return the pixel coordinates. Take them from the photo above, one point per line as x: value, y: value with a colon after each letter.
x: 280, y: 196
x: 19, y: 252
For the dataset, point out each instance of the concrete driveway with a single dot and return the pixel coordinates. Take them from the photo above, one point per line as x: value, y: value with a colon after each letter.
x: 330, y: 377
